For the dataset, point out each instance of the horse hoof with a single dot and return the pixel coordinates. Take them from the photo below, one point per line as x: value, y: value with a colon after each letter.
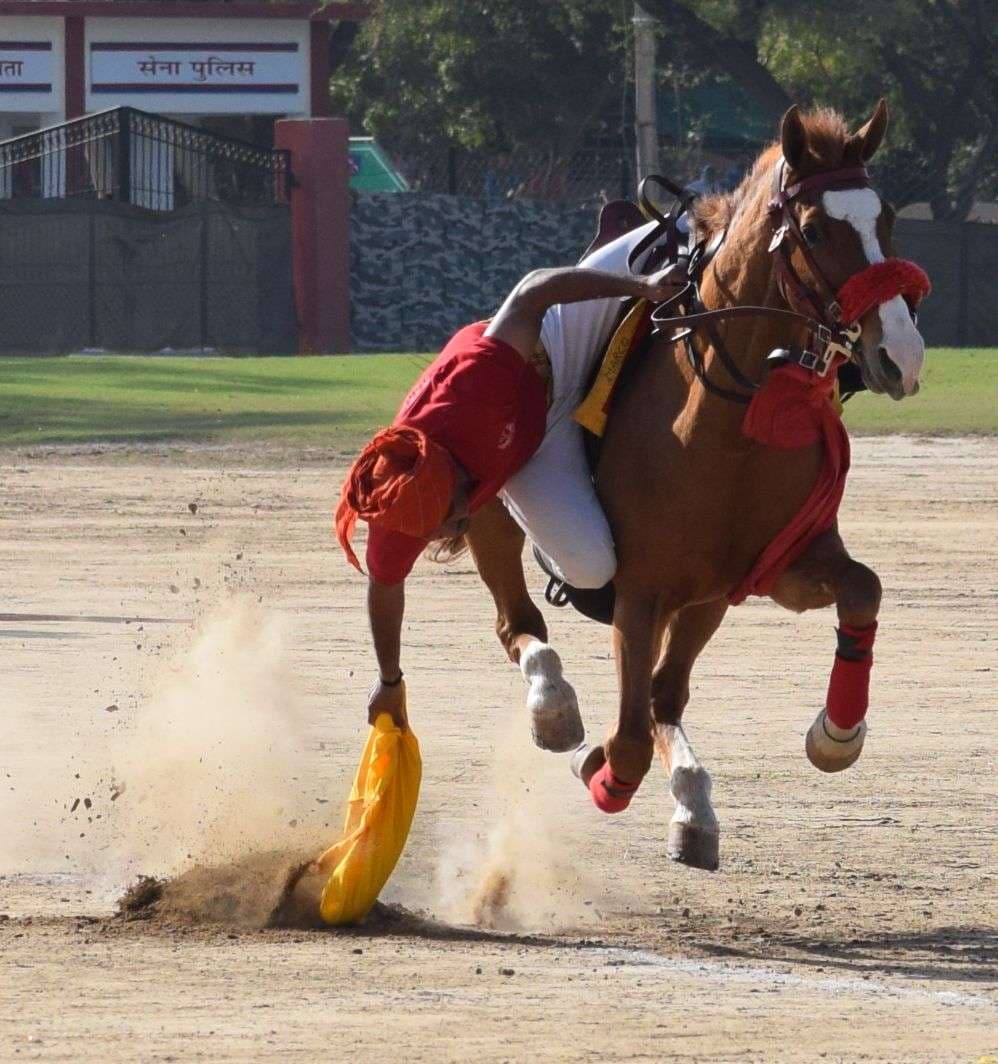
x: 829, y: 754
x: 555, y: 721
x: 695, y: 846
x: 586, y: 762
x: 557, y: 728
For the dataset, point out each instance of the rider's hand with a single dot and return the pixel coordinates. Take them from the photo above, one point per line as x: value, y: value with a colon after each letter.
x: 388, y: 699
x: 666, y: 283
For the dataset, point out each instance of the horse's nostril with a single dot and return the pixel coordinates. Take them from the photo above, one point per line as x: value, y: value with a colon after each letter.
x: 892, y: 371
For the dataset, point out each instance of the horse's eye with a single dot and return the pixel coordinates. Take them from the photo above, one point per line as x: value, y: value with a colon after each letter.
x: 811, y: 233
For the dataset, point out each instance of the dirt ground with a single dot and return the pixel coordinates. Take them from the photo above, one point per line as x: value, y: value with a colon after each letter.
x: 853, y: 916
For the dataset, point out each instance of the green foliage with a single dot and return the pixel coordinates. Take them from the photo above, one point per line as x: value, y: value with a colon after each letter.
x: 425, y: 75
x: 936, y: 62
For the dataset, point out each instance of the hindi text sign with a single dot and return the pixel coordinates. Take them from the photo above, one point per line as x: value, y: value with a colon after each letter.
x: 210, y: 70
x: 26, y: 68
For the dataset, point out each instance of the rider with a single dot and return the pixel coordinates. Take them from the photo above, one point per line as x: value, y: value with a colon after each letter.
x: 483, y: 421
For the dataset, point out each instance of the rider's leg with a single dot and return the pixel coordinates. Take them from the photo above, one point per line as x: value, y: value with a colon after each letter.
x: 553, y: 499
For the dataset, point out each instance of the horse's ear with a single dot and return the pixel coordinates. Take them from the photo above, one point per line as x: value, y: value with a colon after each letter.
x: 793, y: 138
x: 869, y: 137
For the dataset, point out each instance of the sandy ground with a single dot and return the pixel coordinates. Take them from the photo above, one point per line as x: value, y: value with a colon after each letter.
x: 853, y: 917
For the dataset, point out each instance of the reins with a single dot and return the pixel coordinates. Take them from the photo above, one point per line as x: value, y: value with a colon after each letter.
x: 829, y: 342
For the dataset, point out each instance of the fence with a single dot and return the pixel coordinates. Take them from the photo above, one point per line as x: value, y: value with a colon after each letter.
x: 135, y: 157
x: 421, y: 265
x: 424, y: 264
x: 961, y: 258
x: 77, y: 274
x: 593, y: 174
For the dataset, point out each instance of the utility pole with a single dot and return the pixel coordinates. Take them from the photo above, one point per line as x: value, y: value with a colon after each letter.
x: 645, y: 119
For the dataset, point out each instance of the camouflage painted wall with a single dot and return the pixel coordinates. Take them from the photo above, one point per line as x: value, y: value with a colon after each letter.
x: 422, y: 265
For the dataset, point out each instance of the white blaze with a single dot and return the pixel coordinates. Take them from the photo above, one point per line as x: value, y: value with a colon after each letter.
x: 860, y: 207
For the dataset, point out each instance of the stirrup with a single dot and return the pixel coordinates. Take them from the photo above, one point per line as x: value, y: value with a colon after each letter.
x: 556, y: 593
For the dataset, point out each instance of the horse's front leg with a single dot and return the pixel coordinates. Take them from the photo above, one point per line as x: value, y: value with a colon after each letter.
x: 496, y: 543
x: 693, y: 831
x: 822, y: 575
x: 613, y: 771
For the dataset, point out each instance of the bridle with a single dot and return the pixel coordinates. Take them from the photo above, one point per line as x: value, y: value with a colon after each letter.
x: 829, y: 342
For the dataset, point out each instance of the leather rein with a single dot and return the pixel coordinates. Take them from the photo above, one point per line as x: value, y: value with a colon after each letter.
x: 829, y: 342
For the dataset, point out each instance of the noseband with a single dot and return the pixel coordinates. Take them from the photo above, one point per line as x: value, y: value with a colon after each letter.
x: 831, y: 337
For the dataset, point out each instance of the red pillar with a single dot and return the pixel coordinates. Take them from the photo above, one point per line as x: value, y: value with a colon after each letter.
x: 320, y: 234
x: 75, y: 64
x: 319, y: 68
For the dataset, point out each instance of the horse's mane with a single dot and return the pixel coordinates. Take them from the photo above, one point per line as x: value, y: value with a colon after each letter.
x: 830, y: 146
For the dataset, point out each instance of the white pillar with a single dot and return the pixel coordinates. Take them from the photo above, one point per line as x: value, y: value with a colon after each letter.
x: 645, y: 120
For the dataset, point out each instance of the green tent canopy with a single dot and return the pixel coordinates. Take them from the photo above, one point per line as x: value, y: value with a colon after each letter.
x: 371, y: 170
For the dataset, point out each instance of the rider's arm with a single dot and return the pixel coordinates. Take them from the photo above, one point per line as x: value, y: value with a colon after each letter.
x: 518, y: 321
x: 385, y: 610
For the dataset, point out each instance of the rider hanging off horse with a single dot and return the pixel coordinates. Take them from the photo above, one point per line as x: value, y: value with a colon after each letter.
x: 718, y: 474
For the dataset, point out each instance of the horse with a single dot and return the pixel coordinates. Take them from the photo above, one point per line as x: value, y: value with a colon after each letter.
x: 693, y: 527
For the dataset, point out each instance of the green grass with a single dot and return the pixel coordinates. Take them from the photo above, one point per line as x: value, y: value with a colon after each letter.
x: 958, y: 397
x: 336, y: 401
x: 322, y: 401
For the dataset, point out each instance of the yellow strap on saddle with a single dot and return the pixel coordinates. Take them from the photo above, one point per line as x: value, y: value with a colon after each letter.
x: 592, y: 411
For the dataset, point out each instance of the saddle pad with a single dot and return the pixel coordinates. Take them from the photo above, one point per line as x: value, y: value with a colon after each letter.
x: 592, y: 412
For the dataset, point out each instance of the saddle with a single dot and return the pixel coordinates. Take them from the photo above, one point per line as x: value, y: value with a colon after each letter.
x: 666, y: 244
x: 670, y: 242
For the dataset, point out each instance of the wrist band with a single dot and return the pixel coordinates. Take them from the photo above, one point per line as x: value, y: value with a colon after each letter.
x: 391, y: 683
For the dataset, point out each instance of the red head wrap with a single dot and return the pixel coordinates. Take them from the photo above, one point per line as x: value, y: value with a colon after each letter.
x: 402, y: 481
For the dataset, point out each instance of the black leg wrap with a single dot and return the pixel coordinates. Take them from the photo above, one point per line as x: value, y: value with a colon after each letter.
x: 848, y: 647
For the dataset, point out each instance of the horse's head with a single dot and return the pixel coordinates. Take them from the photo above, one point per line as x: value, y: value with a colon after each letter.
x: 841, y: 232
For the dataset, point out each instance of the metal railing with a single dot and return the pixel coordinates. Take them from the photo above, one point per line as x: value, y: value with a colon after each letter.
x: 132, y: 156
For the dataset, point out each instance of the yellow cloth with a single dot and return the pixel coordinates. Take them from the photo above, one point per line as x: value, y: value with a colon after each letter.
x: 592, y: 412
x: 382, y: 803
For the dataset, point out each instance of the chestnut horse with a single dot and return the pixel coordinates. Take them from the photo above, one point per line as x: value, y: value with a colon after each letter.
x: 692, y: 500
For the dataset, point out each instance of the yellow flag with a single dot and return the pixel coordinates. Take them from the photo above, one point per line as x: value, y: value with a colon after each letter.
x: 382, y: 803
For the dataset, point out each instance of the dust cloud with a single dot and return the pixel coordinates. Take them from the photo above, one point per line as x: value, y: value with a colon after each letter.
x: 211, y: 767
x: 205, y: 763
x: 523, y: 873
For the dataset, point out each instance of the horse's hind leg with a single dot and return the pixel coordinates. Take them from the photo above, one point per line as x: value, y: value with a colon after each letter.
x: 822, y: 575
x: 496, y: 543
x: 693, y: 832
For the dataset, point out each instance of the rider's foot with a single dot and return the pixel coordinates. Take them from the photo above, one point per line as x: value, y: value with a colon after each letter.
x: 555, y: 721
x: 833, y: 749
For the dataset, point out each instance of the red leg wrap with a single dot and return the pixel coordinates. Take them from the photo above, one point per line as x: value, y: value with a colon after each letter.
x: 849, y: 686
x: 610, y: 794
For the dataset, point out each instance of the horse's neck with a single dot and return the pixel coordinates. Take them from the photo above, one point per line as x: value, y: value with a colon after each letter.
x: 742, y: 274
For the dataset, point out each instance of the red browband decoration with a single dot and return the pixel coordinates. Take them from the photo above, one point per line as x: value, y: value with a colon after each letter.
x: 879, y: 283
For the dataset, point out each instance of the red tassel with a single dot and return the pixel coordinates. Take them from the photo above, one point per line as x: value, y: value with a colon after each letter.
x: 879, y: 283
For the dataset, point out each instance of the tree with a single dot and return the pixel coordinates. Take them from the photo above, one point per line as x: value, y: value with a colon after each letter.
x: 934, y: 59
x: 427, y: 75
